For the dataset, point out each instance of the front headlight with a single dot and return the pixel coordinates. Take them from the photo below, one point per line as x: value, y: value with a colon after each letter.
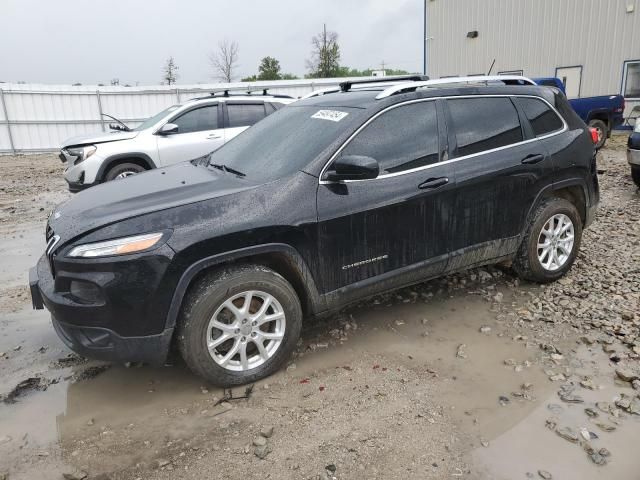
x: 81, y: 153
x: 118, y: 246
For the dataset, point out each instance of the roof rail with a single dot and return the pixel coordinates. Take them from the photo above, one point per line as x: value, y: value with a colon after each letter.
x: 317, y: 93
x: 226, y: 92
x: 346, y: 86
x: 486, y: 79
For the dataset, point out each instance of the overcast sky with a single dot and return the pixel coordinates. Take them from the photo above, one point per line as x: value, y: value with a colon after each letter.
x: 87, y: 41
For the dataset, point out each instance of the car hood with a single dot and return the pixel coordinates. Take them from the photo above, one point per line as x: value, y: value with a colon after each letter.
x: 98, y: 138
x: 140, y: 194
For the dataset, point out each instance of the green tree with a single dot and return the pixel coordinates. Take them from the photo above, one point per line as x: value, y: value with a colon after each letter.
x: 269, y: 69
x: 325, y: 55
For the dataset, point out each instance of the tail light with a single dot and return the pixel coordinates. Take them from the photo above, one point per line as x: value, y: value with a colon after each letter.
x: 594, y: 135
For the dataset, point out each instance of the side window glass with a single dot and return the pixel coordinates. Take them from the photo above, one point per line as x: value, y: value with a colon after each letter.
x: 401, y: 139
x: 484, y: 123
x: 543, y: 120
x: 198, y: 120
x: 244, y: 115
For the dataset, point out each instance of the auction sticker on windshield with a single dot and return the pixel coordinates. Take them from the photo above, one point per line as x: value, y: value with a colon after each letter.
x: 333, y: 115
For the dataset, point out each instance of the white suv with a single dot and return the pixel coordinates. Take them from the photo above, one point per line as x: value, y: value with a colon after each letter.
x: 181, y: 132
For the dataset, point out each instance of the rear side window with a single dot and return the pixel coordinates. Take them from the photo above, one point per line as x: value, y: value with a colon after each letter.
x: 198, y: 120
x: 484, y: 124
x: 244, y: 115
x: 543, y: 120
x: 401, y: 139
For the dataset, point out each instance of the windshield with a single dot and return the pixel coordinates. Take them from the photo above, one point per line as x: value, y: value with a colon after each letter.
x: 285, y: 141
x: 151, y: 121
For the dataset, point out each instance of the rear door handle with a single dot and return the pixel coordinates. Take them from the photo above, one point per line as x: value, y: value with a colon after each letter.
x: 214, y: 136
x: 433, y: 183
x: 533, y: 158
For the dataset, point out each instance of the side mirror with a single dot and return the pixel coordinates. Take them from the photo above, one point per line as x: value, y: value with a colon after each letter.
x: 168, y: 129
x: 353, y: 167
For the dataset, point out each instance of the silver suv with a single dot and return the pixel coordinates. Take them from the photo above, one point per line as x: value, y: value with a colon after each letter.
x: 181, y: 132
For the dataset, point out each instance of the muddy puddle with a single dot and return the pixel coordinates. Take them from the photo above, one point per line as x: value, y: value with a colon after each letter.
x: 454, y: 368
x: 437, y: 344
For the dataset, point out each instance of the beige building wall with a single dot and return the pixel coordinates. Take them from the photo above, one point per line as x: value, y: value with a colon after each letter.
x: 537, y: 36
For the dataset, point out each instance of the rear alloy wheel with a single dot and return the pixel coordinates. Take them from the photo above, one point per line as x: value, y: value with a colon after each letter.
x: 551, y: 242
x: 123, y: 170
x: 601, y: 129
x: 555, y: 242
x: 239, y: 325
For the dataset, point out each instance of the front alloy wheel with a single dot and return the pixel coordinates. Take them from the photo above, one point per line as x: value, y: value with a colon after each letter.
x: 239, y: 324
x: 246, y: 330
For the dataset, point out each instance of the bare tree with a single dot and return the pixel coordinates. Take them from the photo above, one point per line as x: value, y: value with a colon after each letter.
x: 170, y: 71
x: 225, y: 60
x: 325, y: 55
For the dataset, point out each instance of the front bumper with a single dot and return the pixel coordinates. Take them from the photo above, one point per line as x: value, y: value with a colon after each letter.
x: 82, y: 175
x: 633, y: 157
x: 106, y: 329
x: 104, y: 344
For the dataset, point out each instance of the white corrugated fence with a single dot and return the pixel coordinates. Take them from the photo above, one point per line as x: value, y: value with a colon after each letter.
x: 37, y: 118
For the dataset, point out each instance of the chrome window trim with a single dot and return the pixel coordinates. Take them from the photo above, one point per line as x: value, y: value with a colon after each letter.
x: 564, y: 128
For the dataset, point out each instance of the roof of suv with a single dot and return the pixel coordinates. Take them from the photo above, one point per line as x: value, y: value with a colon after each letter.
x: 368, y: 96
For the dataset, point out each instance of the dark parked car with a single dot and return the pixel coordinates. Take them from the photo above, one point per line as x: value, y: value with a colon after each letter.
x: 633, y: 154
x: 324, y: 202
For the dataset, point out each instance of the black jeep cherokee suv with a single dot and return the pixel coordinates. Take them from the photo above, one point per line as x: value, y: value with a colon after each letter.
x: 327, y: 201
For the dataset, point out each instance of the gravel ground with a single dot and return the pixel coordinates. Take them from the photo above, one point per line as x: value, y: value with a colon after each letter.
x: 476, y: 375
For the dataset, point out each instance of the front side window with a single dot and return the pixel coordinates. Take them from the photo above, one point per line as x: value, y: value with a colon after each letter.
x: 482, y: 124
x: 632, y: 80
x: 198, y: 120
x: 543, y: 120
x: 403, y: 138
x: 245, y: 115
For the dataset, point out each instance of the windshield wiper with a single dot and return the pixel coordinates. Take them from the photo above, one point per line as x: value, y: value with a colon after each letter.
x: 224, y: 168
x: 125, y: 127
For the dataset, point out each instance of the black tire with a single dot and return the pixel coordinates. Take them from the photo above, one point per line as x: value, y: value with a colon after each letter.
x: 527, y: 264
x: 122, y: 168
x: 603, y: 132
x: 635, y: 174
x: 203, y: 300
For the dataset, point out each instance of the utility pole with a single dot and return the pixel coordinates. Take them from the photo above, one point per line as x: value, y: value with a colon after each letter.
x: 424, y: 40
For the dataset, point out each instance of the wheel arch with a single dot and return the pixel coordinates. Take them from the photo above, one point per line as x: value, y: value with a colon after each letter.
x: 574, y: 191
x: 138, y: 158
x: 282, y: 258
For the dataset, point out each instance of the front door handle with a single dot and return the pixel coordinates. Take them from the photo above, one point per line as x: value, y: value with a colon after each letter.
x: 533, y: 158
x: 433, y: 183
x: 214, y: 136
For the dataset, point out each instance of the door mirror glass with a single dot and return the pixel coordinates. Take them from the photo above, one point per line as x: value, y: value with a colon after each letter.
x: 353, y: 167
x: 168, y: 129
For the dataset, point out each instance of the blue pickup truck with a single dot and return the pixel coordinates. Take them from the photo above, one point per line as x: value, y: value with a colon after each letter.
x: 603, y: 113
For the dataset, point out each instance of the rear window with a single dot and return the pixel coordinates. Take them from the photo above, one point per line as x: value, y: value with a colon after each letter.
x: 543, y: 120
x: 245, y: 115
x: 484, y: 124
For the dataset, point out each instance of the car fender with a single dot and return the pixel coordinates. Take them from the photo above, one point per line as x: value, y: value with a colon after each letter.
x: 569, y: 182
x: 112, y: 159
x: 316, y: 301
